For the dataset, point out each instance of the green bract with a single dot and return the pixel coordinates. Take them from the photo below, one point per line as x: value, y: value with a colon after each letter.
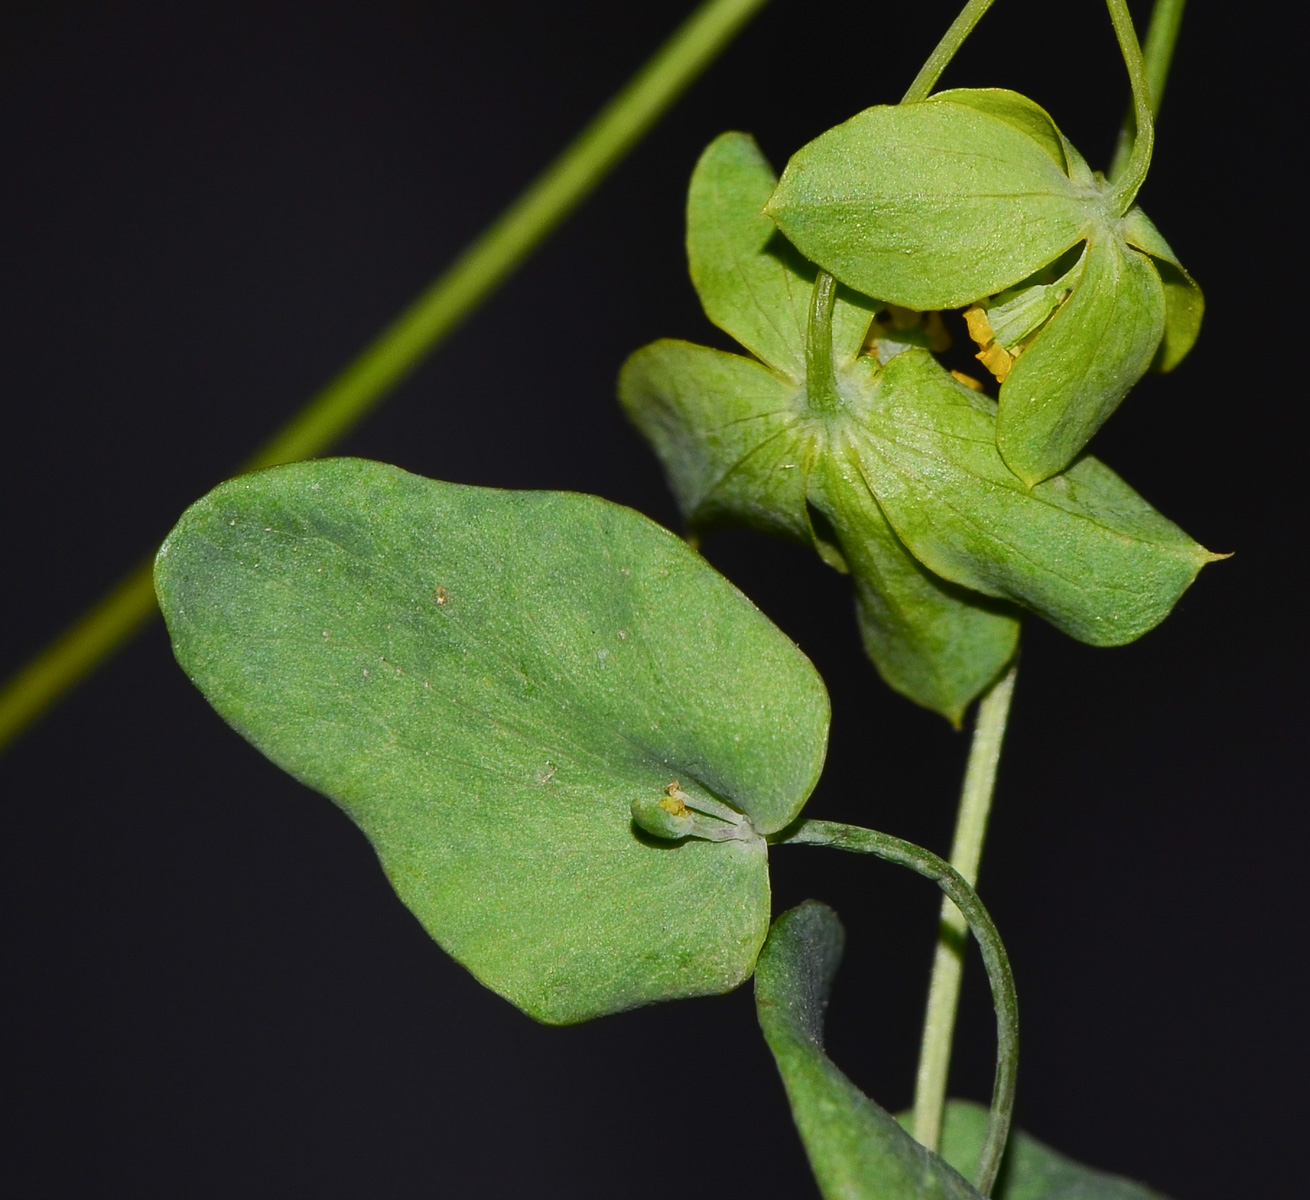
x: 487, y: 682
x: 856, y: 1149
x: 892, y: 471
x: 956, y: 199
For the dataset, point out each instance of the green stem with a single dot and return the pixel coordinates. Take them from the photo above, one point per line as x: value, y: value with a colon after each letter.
x: 1161, y: 38
x: 820, y: 377
x: 478, y: 271
x: 951, y: 41
x: 948, y: 963
x: 1129, y: 182
x: 962, y: 897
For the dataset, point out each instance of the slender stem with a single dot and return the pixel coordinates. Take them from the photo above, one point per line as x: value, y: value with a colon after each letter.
x: 1161, y: 37
x: 999, y: 974
x: 948, y: 963
x: 952, y: 40
x: 1129, y: 181
x: 478, y: 271
x: 820, y: 377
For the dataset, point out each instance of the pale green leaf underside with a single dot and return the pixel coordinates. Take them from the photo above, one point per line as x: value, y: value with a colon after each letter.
x: 857, y: 1150
x: 751, y: 283
x: 1030, y: 1170
x: 931, y: 205
x: 738, y: 448
x: 1082, y: 549
x: 485, y: 681
x: 1014, y: 109
x: 729, y: 432
x: 1080, y: 366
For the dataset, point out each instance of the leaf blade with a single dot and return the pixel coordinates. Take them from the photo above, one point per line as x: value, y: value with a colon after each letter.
x: 917, y: 204
x: 1183, y: 298
x: 1083, y: 550
x: 484, y: 681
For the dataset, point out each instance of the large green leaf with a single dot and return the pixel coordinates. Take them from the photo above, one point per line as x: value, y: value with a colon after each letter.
x: 486, y: 681
x: 1065, y: 385
x: 1082, y: 549
x: 1030, y: 1170
x: 936, y: 204
x: 857, y: 1150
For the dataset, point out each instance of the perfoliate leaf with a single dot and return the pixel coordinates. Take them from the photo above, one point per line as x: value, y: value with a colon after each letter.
x: 856, y: 1150
x: 486, y: 682
x: 907, y: 490
x: 1073, y: 375
x: 1183, y: 299
x: 740, y: 446
x: 1083, y: 549
x: 752, y: 283
x: 936, y: 204
x: 1030, y: 1170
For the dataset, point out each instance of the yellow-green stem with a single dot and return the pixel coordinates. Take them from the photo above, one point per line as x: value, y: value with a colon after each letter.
x: 1158, y: 53
x: 952, y: 40
x: 962, y: 899
x: 948, y: 964
x: 478, y: 271
x: 1129, y: 182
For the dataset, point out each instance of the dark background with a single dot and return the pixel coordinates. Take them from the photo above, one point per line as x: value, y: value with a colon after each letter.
x: 208, y: 988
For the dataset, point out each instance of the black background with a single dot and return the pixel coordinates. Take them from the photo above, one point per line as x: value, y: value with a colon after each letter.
x: 209, y: 989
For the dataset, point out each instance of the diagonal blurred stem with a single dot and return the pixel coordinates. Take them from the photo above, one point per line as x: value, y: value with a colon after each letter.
x: 398, y: 350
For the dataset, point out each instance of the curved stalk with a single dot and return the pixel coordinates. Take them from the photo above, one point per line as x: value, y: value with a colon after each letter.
x: 958, y: 890
x: 1127, y: 185
x: 952, y: 40
x: 1161, y: 37
x: 399, y: 349
x: 948, y: 962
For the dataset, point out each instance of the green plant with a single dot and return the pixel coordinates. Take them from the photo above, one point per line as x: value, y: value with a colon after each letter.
x: 250, y: 556
x: 572, y: 743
